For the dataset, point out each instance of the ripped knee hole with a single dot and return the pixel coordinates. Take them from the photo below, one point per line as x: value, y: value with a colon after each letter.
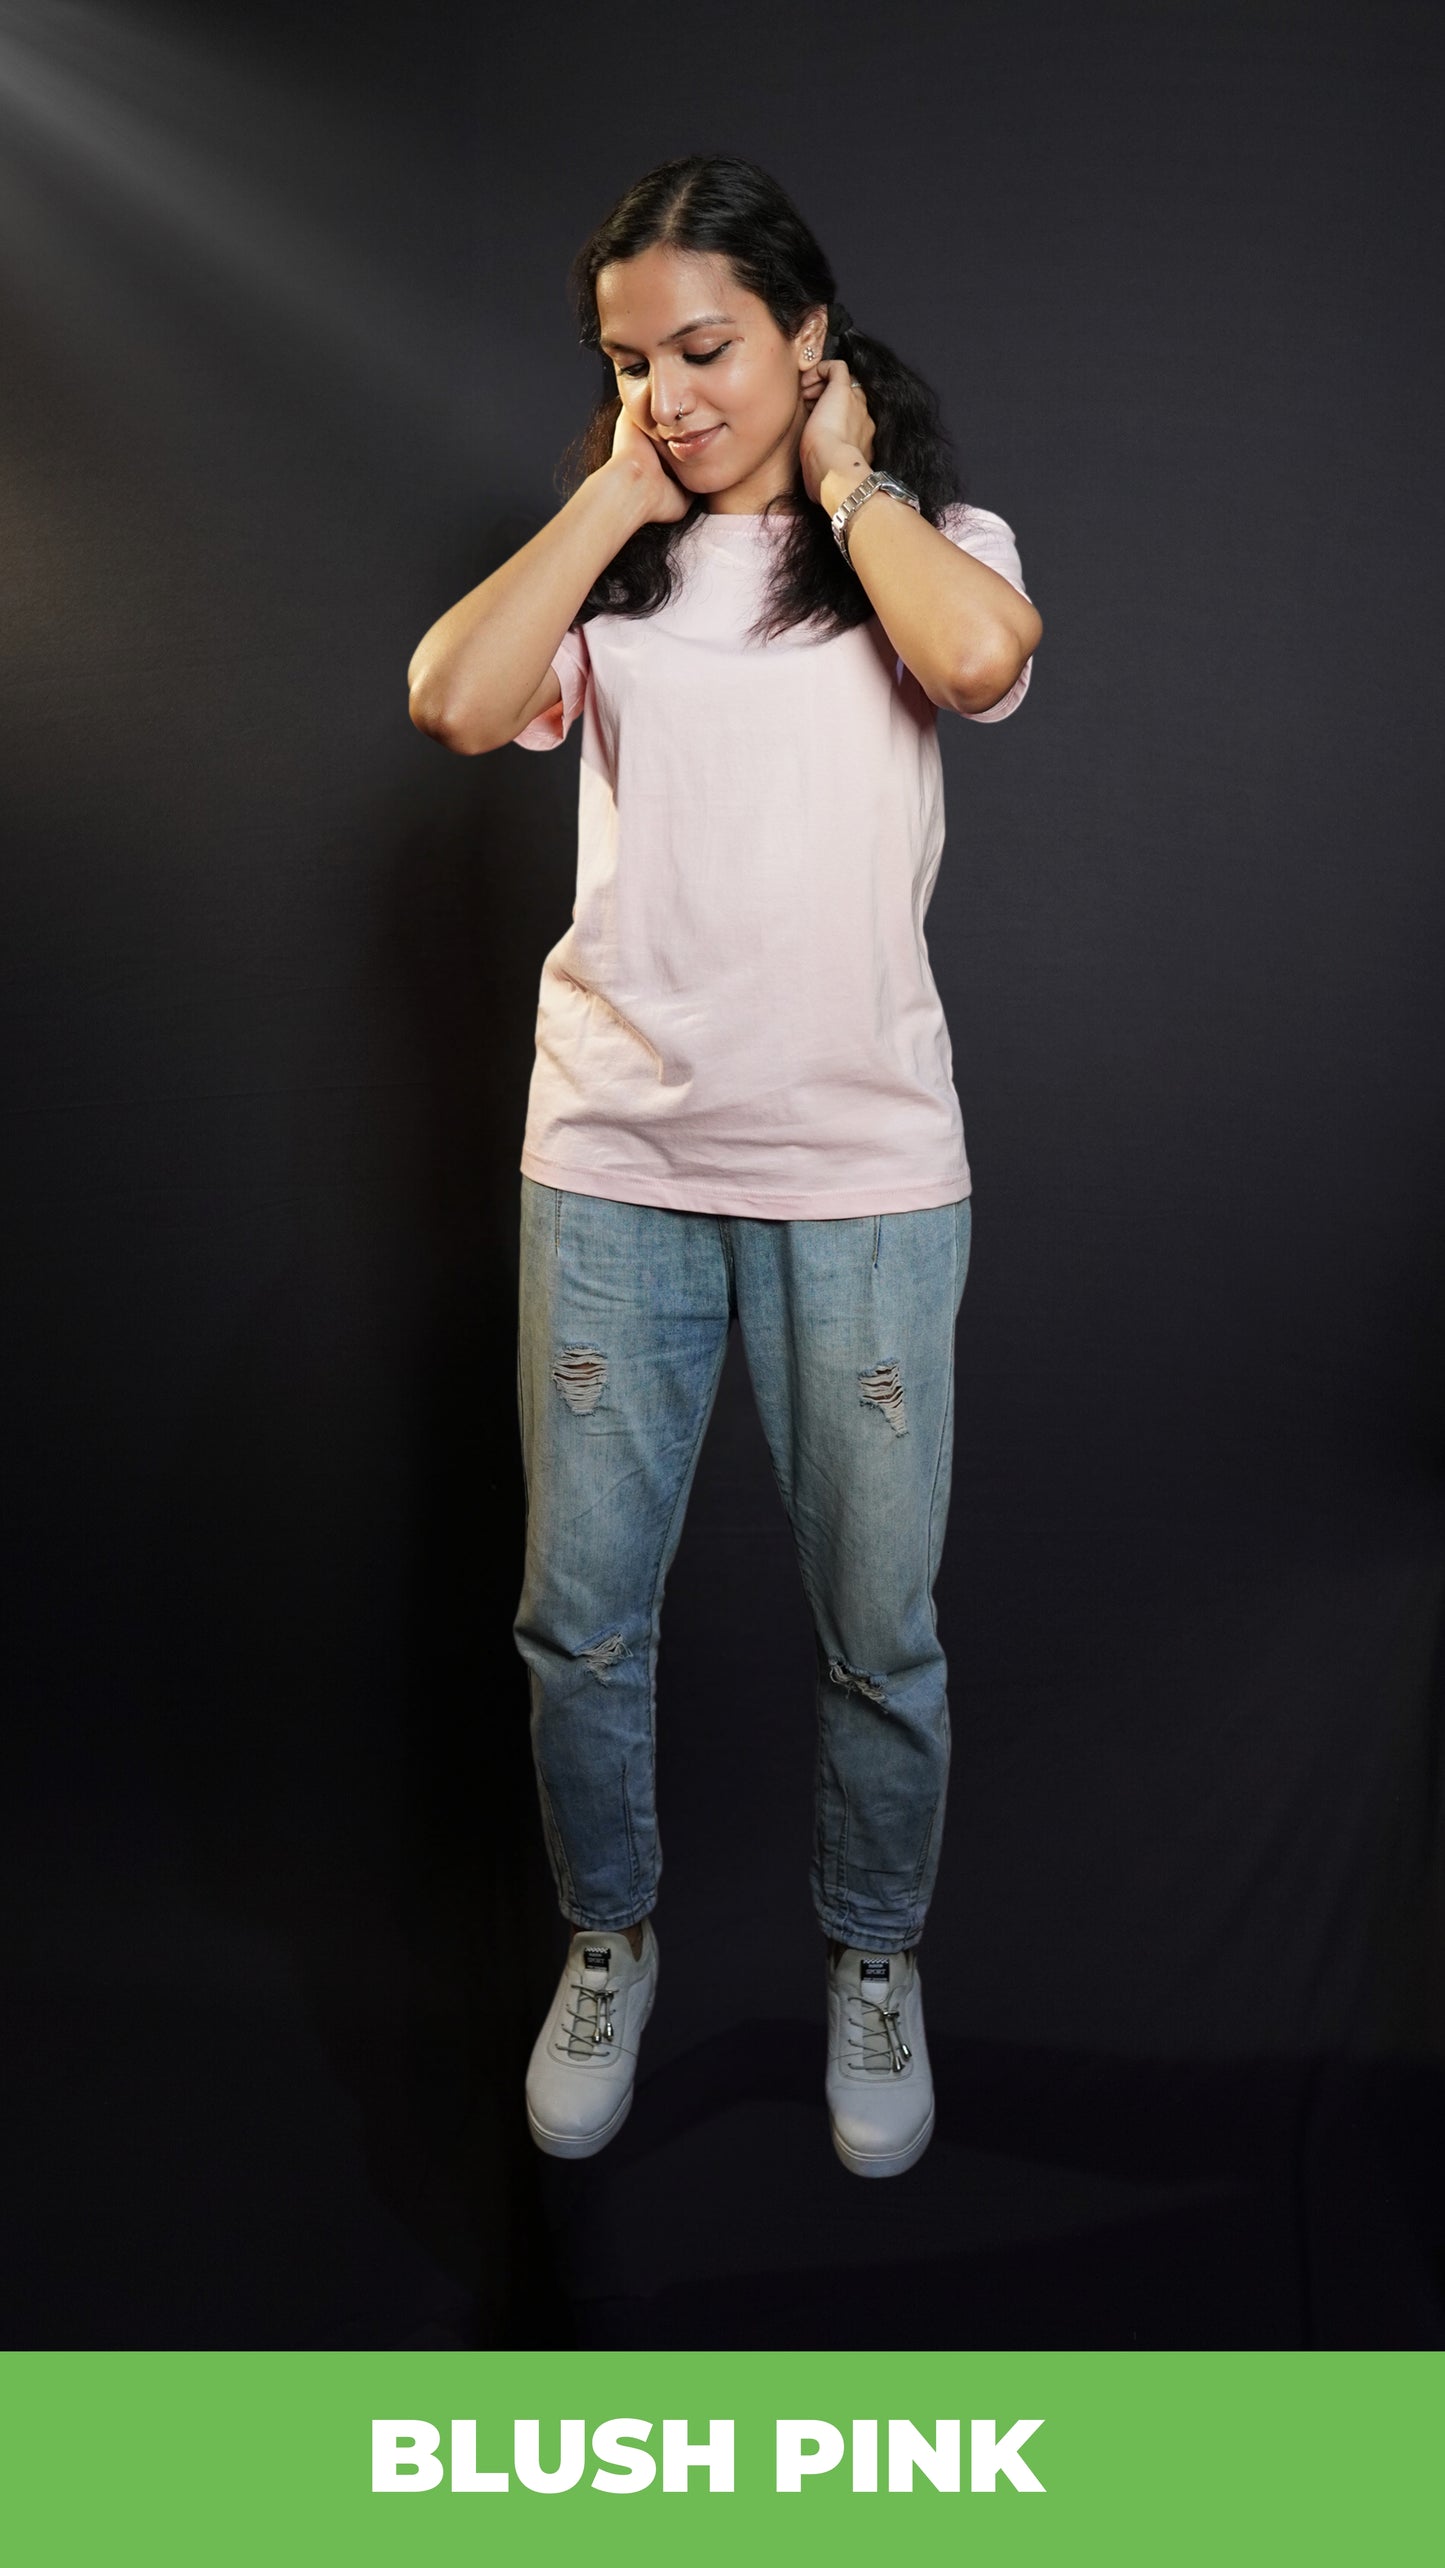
x: 855, y: 1681
x: 603, y: 1655
x: 883, y: 1388
x: 579, y: 1373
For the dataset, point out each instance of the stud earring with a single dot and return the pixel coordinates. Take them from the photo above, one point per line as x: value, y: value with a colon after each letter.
x: 807, y: 352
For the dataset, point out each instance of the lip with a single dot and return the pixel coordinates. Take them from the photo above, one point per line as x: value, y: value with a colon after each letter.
x: 685, y: 447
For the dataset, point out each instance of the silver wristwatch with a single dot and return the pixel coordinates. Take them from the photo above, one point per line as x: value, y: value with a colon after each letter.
x: 839, y: 521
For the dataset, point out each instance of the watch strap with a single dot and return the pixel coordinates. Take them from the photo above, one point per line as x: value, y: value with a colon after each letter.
x: 848, y: 509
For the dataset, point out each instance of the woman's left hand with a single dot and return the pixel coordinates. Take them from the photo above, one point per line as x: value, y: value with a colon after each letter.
x: 839, y: 427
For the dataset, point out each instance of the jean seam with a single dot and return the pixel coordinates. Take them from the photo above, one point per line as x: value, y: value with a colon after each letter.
x: 562, y: 1869
x: 679, y: 1503
x: 915, y: 1889
x: 832, y: 1856
x: 943, y: 1426
x: 633, y: 1866
x: 685, y: 1481
x: 522, y: 1428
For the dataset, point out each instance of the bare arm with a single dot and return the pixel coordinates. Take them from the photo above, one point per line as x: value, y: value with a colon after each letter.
x: 484, y: 668
x: 963, y: 629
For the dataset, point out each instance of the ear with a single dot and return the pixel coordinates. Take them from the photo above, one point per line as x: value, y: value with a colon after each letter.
x: 812, y: 333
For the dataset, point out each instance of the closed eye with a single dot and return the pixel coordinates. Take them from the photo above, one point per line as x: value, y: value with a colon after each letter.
x: 692, y: 361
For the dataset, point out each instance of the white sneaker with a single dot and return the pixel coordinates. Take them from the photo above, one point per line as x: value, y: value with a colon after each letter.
x: 879, y: 2083
x: 584, y: 2060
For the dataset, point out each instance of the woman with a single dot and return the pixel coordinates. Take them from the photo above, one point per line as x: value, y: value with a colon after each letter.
x: 760, y: 592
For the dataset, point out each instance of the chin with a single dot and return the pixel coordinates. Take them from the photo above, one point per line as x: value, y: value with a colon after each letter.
x: 709, y: 459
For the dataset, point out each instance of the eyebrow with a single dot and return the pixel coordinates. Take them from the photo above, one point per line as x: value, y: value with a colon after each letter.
x: 704, y: 321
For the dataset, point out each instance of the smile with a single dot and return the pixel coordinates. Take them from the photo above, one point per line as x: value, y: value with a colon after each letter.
x: 682, y: 447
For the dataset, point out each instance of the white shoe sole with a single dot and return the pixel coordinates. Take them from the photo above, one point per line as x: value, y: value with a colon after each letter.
x: 578, y: 2144
x: 586, y: 2144
x: 894, y: 2162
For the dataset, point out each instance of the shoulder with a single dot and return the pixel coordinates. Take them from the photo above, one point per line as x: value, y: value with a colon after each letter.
x: 964, y: 522
x: 989, y: 537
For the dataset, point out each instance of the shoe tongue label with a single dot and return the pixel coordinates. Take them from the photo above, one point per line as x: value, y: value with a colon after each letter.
x: 596, y: 1957
x: 874, y: 1971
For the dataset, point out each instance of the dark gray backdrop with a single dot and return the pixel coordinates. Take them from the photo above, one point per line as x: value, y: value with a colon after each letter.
x: 288, y: 366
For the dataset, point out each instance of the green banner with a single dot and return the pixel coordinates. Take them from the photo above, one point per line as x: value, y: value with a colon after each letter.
x: 1068, y: 2458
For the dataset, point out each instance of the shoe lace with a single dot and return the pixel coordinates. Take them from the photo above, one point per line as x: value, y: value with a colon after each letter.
x: 587, y: 2021
x: 878, y: 2044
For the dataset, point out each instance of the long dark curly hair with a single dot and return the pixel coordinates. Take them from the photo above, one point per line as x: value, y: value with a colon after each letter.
x: 715, y: 202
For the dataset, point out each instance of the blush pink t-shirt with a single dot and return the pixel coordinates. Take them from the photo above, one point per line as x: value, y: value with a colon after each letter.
x: 742, y: 1017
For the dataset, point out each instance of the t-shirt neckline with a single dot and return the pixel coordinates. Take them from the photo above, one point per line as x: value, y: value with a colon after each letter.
x: 744, y: 517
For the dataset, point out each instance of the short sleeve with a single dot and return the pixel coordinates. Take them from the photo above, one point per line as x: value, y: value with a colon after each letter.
x: 991, y: 541
x: 570, y: 660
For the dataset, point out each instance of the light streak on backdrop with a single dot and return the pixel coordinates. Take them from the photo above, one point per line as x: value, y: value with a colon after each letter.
x: 117, y: 140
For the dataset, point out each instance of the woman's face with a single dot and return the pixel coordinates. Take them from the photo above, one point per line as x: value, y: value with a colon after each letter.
x: 704, y: 371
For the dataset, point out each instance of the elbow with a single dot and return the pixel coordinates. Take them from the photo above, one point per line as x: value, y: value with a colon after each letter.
x: 986, y: 678
x: 436, y: 722
x: 432, y: 713
x: 420, y: 715
x: 424, y: 705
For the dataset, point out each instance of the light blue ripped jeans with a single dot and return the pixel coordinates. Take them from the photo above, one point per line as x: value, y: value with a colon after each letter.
x: 848, y: 1330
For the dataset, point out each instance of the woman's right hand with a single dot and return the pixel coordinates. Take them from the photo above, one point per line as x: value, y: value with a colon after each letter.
x: 667, y: 501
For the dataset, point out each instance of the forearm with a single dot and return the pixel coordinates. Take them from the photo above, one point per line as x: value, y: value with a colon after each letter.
x: 477, y: 667
x: 963, y: 629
